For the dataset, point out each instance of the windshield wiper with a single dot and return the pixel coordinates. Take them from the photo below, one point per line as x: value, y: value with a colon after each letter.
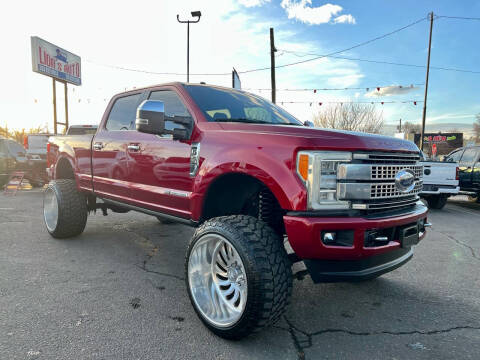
x: 252, y: 121
x: 244, y: 120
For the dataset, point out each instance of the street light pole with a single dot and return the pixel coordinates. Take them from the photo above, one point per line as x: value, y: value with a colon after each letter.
x: 196, y: 14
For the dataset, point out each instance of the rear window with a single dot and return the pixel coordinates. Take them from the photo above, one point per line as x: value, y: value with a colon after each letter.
x: 82, y: 131
x: 37, y: 141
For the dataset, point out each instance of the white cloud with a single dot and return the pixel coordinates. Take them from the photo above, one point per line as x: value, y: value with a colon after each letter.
x: 303, y: 11
x: 344, y: 19
x: 391, y: 90
x: 253, y: 3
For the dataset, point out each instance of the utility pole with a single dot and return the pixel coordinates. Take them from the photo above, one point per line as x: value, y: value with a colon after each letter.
x: 196, y: 14
x: 272, y: 65
x: 424, y: 115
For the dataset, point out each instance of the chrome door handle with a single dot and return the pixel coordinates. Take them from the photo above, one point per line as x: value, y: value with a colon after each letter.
x: 98, y: 146
x: 133, y: 147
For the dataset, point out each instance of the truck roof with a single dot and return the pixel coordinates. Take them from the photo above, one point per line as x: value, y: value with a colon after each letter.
x: 177, y: 83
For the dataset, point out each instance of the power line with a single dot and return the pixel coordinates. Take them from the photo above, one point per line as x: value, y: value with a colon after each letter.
x: 381, y: 62
x: 154, y: 72
x: 268, y: 68
x: 458, y: 17
x: 340, y: 51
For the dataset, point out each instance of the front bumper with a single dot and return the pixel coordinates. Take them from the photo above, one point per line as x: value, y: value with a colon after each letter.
x: 361, y: 260
x: 439, y: 189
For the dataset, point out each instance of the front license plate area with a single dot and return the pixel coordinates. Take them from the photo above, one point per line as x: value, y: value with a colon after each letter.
x: 409, y: 236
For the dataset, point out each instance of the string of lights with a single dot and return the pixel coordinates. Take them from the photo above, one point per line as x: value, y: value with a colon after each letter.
x: 414, y: 102
x: 315, y: 90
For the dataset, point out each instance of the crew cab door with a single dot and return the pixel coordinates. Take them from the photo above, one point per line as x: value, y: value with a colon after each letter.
x: 466, y: 166
x: 109, y: 147
x: 159, y: 167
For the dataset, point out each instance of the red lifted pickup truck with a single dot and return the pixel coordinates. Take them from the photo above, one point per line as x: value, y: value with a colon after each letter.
x: 250, y: 177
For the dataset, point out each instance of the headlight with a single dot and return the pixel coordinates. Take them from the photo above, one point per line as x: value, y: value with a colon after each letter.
x: 318, y: 170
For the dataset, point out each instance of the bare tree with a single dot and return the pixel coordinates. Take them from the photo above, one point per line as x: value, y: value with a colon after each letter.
x: 411, y: 128
x: 350, y: 116
x: 476, y: 128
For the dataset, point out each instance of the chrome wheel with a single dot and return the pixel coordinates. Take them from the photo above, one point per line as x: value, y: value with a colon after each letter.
x: 217, y: 280
x: 50, y: 209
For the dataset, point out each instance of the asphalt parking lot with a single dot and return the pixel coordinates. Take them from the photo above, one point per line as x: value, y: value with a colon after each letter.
x: 117, y: 292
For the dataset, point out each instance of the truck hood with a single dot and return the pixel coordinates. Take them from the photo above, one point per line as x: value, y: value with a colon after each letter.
x: 316, y: 138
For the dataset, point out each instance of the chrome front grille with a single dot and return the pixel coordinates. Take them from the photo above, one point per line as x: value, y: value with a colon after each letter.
x: 389, y: 190
x: 388, y: 172
x: 369, y: 180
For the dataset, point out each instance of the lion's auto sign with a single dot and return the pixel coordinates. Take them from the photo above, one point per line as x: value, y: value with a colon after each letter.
x: 51, y: 60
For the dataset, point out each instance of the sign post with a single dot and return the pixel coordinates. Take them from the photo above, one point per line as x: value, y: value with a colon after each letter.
x: 61, y: 65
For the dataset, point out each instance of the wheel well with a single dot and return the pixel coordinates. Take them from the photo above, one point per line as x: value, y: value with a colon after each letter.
x: 64, y: 170
x: 240, y: 194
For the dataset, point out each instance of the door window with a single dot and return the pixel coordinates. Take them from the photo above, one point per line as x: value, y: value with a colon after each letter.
x: 173, y: 106
x: 469, y: 155
x: 123, y: 113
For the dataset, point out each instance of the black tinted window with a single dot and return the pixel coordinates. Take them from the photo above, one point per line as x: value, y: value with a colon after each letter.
x: 3, y: 150
x: 123, y: 113
x: 225, y: 105
x: 173, y: 106
x: 15, y: 148
x: 469, y: 155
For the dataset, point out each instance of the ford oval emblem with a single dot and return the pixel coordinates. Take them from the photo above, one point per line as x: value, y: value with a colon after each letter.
x: 405, y: 181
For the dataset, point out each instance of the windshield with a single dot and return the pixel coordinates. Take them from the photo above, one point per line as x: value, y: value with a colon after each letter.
x: 231, y: 105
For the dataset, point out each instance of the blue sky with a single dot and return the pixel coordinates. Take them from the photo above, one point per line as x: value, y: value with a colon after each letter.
x: 453, y: 96
x: 110, y: 34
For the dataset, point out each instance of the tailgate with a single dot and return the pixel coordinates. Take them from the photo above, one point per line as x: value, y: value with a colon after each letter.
x: 439, y: 173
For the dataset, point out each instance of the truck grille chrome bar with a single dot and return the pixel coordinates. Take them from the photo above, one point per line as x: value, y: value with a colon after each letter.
x: 372, y: 180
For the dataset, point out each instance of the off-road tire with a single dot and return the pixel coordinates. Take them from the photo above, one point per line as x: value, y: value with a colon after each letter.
x: 72, y: 209
x: 437, y: 201
x: 267, y: 267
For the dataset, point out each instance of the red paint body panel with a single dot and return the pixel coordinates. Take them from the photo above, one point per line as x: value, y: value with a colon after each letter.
x: 304, y: 235
x: 156, y: 176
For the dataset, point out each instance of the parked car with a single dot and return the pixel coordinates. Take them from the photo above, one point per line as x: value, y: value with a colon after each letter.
x: 12, y: 158
x: 36, y: 145
x: 246, y: 174
x: 469, y: 169
x: 36, y: 150
x: 440, y: 181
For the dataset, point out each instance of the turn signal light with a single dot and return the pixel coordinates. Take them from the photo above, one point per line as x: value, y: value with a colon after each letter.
x: 303, y: 166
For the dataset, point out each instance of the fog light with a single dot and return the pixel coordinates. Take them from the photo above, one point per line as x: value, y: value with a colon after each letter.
x: 329, y: 237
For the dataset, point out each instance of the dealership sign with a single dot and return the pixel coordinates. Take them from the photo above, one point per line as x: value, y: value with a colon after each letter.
x: 51, y: 60
x: 444, y: 143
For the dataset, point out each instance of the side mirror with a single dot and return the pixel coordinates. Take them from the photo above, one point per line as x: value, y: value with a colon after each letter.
x: 151, y: 117
x: 309, y: 123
